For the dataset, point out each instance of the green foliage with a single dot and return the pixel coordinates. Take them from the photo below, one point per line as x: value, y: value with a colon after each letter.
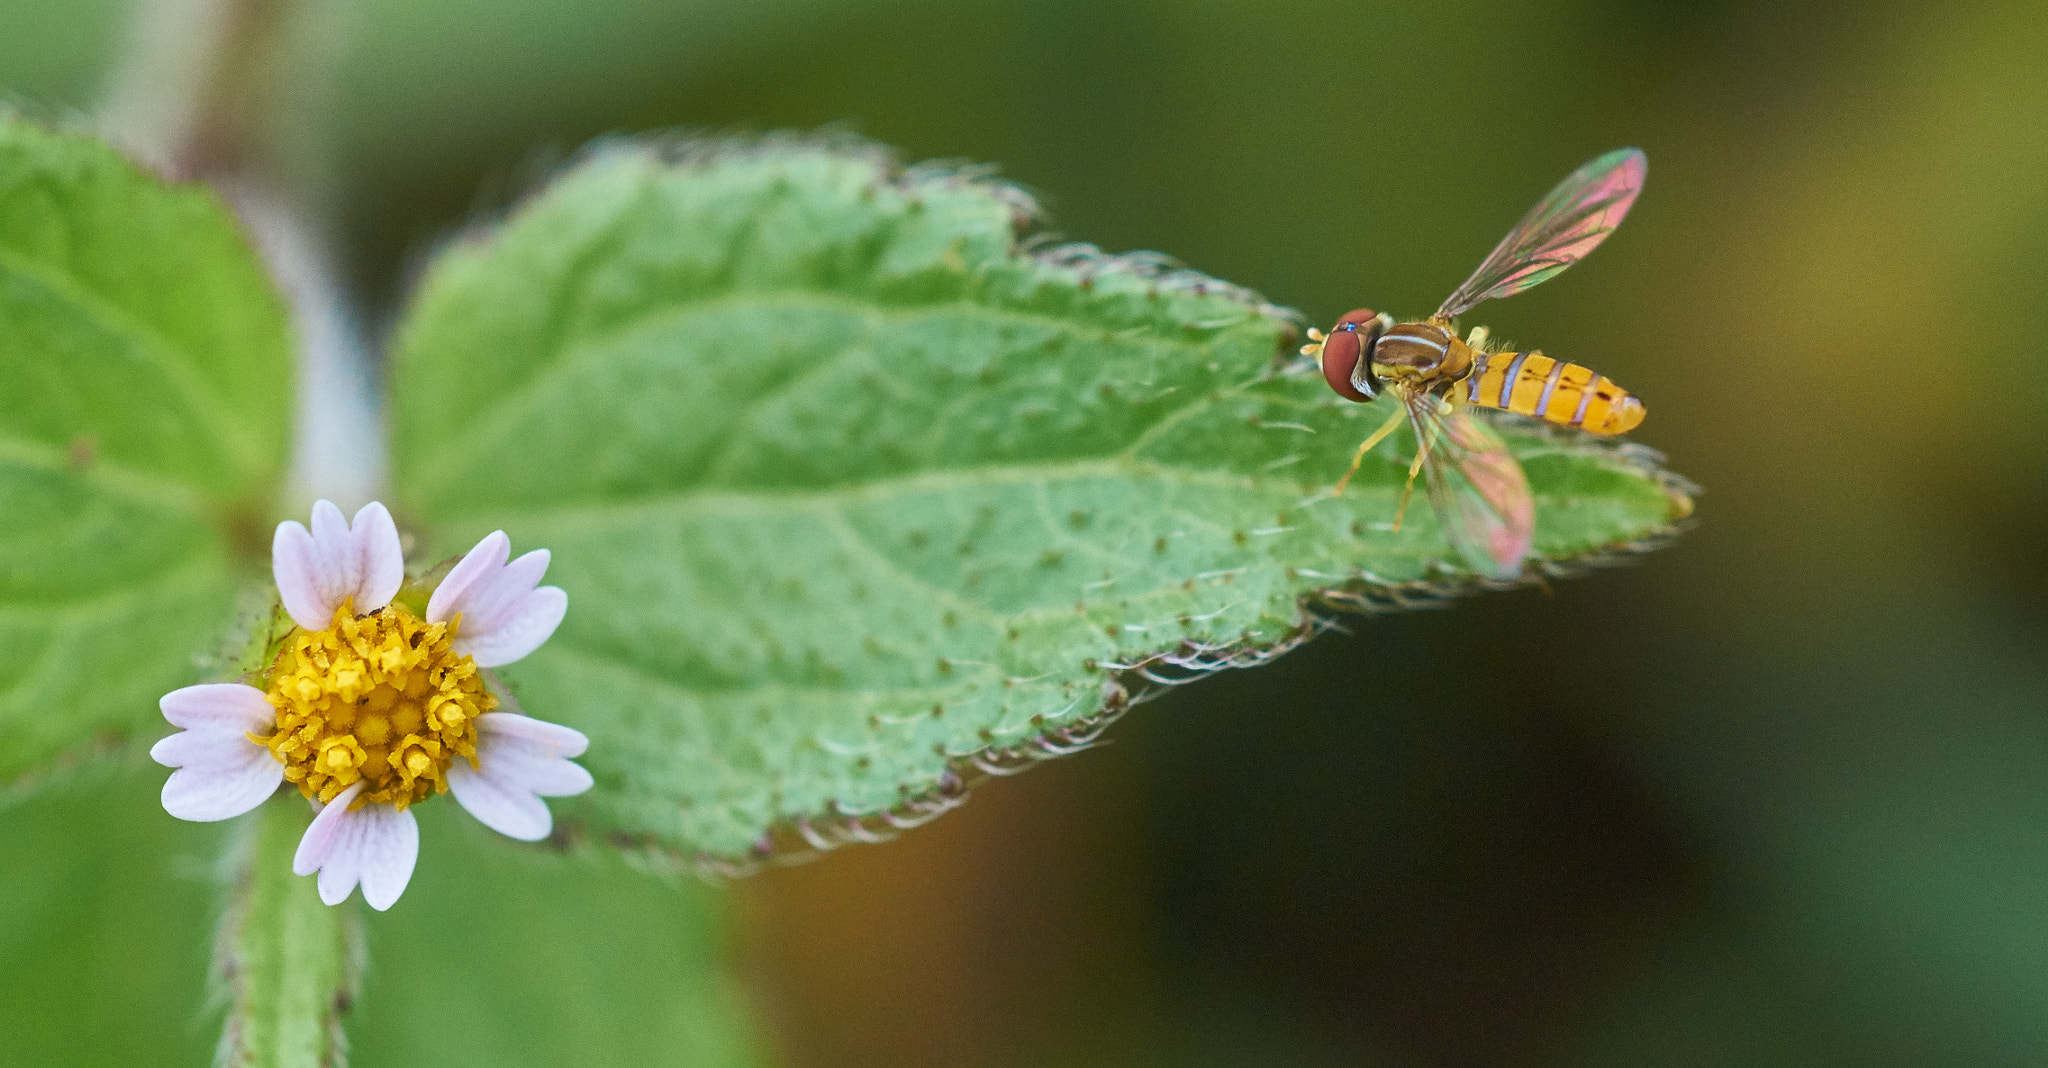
x: 143, y: 391
x: 846, y: 486
x: 285, y: 956
x: 503, y: 955
x: 106, y: 912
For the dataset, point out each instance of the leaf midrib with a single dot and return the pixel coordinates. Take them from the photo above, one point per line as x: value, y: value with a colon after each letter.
x: 458, y: 455
x: 115, y: 477
x: 725, y: 501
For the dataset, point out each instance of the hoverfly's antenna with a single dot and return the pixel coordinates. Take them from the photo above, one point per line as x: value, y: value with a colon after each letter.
x: 1315, y: 342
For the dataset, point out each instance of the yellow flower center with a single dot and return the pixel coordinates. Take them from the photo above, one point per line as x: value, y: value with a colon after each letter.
x: 384, y: 698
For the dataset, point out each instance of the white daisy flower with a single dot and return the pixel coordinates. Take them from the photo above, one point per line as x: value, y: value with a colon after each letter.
x: 369, y: 709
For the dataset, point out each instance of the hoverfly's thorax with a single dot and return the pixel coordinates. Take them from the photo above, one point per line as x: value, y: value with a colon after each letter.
x: 1416, y: 350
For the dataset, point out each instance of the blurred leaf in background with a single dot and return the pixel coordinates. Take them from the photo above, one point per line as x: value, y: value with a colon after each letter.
x: 106, y: 926
x: 143, y: 402
x: 548, y: 959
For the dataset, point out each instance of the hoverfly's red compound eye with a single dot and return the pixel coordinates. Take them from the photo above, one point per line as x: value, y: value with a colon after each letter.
x: 1350, y: 340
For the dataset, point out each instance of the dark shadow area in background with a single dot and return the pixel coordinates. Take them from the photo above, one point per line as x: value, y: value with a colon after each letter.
x: 1416, y: 833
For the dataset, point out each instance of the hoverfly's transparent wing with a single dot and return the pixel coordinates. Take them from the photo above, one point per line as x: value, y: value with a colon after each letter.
x: 1476, y: 486
x: 1558, y: 232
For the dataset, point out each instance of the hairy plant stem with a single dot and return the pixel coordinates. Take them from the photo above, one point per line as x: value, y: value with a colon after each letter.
x: 229, y: 92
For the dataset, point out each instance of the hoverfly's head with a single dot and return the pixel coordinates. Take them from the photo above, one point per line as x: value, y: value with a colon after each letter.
x: 1412, y: 350
x: 1346, y: 353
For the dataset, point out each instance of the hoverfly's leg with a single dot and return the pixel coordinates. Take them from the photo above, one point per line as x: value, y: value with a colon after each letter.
x: 1408, y: 491
x: 1366, y: 447
x: 1476, y: 340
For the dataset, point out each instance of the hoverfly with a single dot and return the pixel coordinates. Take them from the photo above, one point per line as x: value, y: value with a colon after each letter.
x: 1475, y: 484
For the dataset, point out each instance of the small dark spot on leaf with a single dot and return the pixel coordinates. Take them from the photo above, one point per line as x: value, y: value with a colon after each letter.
x: 1357, y: 529
x: 949, y: 620
x: 938, y: 710
x: 1114, y: 631
x: 1051, y: 558
x: 863, y: 764
x: 1188, y: 585
x: 1038, y: 720
x: 917, y: 539
x: 874, y: 722
x: 1159, y: 545
x: 945, y: 666
x: 83, y: 451
x: 1077, y: 519
x: 986, y: 734
x: 1090, y: 665
x: 1240, y: 537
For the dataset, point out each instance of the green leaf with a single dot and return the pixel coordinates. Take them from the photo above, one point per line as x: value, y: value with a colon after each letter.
x: 143, y: 390
x: 287, y: 958
x: 851, y: 492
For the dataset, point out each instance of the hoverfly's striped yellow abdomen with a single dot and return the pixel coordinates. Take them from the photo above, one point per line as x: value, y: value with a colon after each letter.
x: 1530, y: 383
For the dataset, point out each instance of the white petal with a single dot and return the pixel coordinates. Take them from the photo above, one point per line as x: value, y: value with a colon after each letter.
x: 520, y: 760
x: 336, y: 566
x: 317, y: 570
x: 319, y: 841
x: 501, y: 806
x: 388, y: 847
x: 548, y: 776
x: 496, y: 596
x: 488, y: 556
x: 343, y: 870
x: 204, y: 747
x: 375, y: 845
x: 537, y: 734
x: 294, y: 563
x: 381, y: 556
x: 504, y: 615
x: 518, y: 632
x: 220, y: 772
x: 219, y: 775
x: 228, y: 706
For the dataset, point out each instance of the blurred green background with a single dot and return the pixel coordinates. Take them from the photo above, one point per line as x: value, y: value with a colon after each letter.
x: 1777, y: 795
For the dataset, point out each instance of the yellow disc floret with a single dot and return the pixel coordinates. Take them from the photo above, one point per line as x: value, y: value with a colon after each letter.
x: 384, y: 698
